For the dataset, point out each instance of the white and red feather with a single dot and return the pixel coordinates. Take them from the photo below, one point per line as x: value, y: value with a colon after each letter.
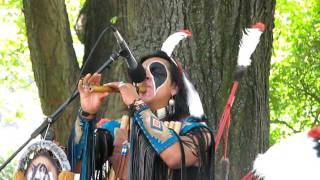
x: 249, y: 41
x: 171, y: 42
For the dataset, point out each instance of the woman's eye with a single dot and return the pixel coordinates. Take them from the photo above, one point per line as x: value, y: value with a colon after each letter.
x: 158, y: 69
x: 159, y: 73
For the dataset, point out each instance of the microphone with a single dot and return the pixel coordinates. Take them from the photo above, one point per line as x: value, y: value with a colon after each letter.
x: 135, y: 70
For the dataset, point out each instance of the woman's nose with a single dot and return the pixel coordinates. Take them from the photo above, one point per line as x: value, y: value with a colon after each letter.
x: 148, y: 75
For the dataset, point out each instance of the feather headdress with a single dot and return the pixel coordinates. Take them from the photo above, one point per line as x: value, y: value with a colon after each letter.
x: 193, y: 98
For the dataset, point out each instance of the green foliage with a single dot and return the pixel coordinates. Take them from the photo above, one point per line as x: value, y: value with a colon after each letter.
x: 16, y: 75
x: 8, y: 171
x: 14, y: 54
x: 294, y: 80
x: 114, y: 20
x: 73, y: 13
x: 73, y: 10
x: 15, y: 65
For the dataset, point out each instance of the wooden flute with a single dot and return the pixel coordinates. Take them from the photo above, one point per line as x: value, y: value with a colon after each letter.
x: 93, y: 88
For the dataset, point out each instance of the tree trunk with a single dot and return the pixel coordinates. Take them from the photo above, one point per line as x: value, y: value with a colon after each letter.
x: 210, y: 57
x: 95, y: 16
x: 53, y: 59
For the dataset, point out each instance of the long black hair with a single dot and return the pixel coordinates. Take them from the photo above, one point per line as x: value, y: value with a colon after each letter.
x: 181, y: 105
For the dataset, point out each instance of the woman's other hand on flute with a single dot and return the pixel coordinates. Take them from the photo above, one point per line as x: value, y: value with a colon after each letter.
x: 91, y: 101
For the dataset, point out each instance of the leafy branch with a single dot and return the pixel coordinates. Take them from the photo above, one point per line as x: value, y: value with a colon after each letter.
x: 286, y: 124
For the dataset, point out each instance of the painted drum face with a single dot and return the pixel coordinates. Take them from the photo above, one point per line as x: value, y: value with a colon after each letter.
x: 42, y: 167
x: 159, y: 73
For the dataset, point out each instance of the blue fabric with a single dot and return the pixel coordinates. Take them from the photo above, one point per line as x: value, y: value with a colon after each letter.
x: 84, y: 147
x: 124, y: 149
x: 80, y: 151
x: 156, y: 143
x: 110, y: 126
x: 190, y: 123
x: 73, y: 150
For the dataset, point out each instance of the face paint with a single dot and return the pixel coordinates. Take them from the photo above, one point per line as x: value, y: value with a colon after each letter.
x: 159, y: 73
x: 40, y: 172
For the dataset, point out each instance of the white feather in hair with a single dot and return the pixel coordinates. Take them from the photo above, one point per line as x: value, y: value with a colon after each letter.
x: 170, y: 43
x: 193, y: 98
x: 194, y: 101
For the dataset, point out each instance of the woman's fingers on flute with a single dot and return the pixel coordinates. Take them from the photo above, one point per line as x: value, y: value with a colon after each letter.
x: 80, y: 85
x: 83, y: 82
x: 90, y: 79
x: 114, y: 85
x: 95, y: 79
x: 86, y: 78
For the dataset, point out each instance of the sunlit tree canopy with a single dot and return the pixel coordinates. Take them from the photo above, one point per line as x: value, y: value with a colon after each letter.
x: 294, y: 80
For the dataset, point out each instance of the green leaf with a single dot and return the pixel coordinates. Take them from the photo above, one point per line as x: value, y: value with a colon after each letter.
x: 114, y: 20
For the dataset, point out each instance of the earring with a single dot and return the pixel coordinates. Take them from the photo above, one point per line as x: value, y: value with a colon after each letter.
x: 172, y: 106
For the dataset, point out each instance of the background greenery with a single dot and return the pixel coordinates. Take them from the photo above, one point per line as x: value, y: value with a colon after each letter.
x: 20, y: 109
x: 294, y: 84
x: 294, y: 80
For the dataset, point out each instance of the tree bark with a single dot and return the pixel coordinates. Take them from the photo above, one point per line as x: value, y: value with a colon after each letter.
x: 94, y: 18
x: 53, y: 59
x: 210, y: 57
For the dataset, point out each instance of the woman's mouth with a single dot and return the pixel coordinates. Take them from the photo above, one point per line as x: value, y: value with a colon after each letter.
x: 149, y: 92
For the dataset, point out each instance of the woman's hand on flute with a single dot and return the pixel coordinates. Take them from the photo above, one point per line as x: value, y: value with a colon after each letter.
x: 90, y: 101
x: 128, y: 91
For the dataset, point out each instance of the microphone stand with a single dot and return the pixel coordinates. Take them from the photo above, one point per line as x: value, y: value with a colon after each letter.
x: 54, y: 116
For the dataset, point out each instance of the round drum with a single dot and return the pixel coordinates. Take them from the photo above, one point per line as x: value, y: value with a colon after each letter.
x: 43, y: 160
